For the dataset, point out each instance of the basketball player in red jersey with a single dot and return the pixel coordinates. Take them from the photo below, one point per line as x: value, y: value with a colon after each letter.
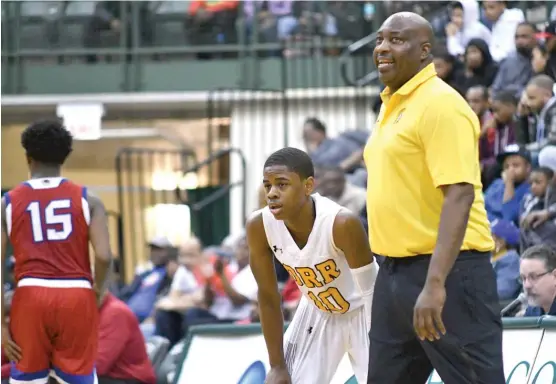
x: 50, y: 221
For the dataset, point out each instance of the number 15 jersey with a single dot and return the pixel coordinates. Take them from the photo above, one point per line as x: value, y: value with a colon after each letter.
x: 320, y: 269
x: 48, y: 224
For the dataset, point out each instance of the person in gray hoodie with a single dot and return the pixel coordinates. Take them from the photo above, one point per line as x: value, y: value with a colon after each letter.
x: 464, y: 26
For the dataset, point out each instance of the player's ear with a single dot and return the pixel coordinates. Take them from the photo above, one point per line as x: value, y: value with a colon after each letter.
x: 309, y: 185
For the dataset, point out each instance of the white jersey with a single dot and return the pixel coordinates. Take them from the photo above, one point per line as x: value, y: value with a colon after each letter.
x: 320, y: 269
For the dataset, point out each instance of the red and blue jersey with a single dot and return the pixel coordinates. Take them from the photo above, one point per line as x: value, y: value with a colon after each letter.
x: 48, y: 224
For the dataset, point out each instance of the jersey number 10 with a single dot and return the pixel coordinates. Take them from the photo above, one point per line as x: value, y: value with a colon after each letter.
x: 56, y: 227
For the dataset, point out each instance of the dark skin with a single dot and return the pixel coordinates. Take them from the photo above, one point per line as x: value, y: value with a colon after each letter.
x: 403, y: 49
x: 289, y: 198
x: 98, y: 237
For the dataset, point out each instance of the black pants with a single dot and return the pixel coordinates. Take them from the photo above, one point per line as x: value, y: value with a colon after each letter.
x: 471, y: 350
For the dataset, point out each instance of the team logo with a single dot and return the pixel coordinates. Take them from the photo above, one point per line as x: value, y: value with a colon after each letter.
x: 276, y: 249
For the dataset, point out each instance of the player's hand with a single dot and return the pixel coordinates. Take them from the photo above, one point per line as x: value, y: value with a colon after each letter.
x: 427, y: 313
x: 10, y: 348
x: 278, y: 375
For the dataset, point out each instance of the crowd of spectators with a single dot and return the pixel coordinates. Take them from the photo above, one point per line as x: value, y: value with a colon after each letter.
x: 505, y: 67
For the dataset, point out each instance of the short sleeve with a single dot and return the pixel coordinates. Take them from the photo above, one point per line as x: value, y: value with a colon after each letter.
x: 184, y: 281
x: 449, y: 132
x: 245, y: 284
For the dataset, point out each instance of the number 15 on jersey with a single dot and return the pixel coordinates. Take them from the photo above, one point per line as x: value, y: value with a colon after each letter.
x: 47, y: 224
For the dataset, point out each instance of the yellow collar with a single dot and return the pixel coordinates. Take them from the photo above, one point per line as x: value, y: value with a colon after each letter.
x: 422, y: 76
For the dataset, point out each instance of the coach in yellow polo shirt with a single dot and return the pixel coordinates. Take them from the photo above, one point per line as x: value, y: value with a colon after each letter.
x: 435, y: 302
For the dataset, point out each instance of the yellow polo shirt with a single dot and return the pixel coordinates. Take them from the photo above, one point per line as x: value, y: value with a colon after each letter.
x: 426, y: 136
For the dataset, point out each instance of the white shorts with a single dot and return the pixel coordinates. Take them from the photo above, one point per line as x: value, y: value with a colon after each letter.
x: 315, y: 343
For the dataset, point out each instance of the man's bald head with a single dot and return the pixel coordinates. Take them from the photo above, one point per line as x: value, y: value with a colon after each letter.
x: 403, y: 48
x: 539, y: 92
x: 413, y: 21
x: 543, y: 82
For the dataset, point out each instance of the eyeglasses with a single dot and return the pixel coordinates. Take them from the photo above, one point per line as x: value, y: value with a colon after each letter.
x: 532, y: 278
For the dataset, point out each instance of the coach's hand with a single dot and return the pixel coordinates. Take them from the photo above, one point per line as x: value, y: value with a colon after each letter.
x: 278, y: 375
x: 427, y: 314
x: 10, y: 348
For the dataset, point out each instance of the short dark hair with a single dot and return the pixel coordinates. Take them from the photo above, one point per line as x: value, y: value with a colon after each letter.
x: 544, y: 252
x: 549, y: 173
x: 317, y: 124
x: 506, y: 97
x: 456, y: 5
x: 47, y: 142
x: 528, y: 24
x: 295, y: 160
x: 480, y: 88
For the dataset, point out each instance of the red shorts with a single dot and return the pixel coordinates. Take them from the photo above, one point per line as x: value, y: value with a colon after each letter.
x: 55, y: 322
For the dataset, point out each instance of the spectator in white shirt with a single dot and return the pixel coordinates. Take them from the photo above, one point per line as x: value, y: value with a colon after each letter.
x: 207, y: 293
x: 505, y: 22
x: 465, y: 25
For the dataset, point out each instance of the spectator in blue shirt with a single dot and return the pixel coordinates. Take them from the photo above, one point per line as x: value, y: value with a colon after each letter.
x: 505, y: 259
x: 537, y: 271
x: 503, y: 197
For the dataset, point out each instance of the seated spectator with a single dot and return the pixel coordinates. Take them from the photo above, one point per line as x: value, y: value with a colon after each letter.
x: 147, y: 287
x: 504, y: 24
x: 184, y: 291
x: 504, y: 196
x: 344, y: 151
x: 542, y: 102
x: 538, y: 213
x: 333, y: 184
x: 477, y: 98
x: 479, y: 68
x: 505, y: 259
x: 464, y: 26
x: 539, y: 60
x: 544, y: 61
x: 109, y: 16
x: 212, y: 22
x: 224, y: 297
x: 538, y: 273
x: 516, y: 70
x: 275, y: 19
x: 447, y: 67
x: 500, y: 132
x: 122, y: 354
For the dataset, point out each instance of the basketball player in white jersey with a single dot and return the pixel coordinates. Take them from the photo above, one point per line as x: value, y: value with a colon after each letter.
x: 325, y: 249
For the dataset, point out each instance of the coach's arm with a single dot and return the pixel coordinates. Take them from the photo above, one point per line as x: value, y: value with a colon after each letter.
x: 262, y: 266
x: 449, y: 134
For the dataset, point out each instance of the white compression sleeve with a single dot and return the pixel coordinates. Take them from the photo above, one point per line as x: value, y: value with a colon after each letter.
x: 365, y: 278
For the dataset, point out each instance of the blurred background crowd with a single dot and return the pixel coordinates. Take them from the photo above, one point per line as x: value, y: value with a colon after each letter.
x: 501, y: 57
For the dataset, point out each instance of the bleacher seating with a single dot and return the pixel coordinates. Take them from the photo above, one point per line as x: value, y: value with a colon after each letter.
x: 77, y: 14
x: 38, y: 23
x: 157, y: 348
x: 169, y: 23
x: 167, y: 370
